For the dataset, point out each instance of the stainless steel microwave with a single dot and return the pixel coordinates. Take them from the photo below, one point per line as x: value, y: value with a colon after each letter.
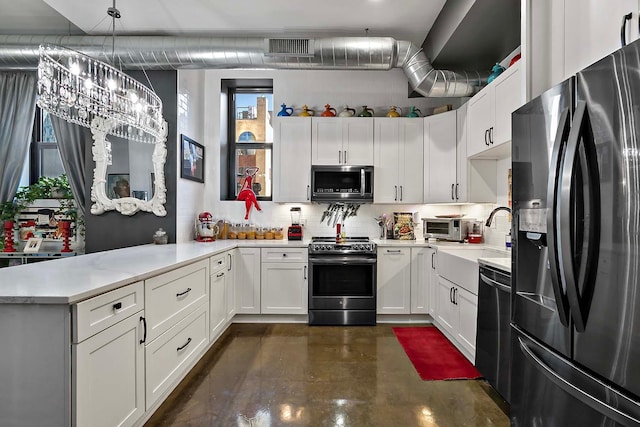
x: 454, y: 229
x: 342, y: 184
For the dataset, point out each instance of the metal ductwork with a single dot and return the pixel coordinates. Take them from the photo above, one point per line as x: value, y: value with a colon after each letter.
x: 168, y: 53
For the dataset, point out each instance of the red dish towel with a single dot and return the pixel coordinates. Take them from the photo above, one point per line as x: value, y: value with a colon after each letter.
x: 433, y: 356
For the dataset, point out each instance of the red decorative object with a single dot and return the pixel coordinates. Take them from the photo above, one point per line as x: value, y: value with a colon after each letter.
x: 66, y: 229
x: 246, y: 191
x: 433, y: 356
x: 8, y: 237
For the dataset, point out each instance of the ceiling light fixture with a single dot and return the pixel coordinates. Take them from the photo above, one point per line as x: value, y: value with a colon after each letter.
x: 81, y: 89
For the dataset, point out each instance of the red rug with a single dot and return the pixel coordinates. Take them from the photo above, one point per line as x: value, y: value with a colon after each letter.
x: 433, y: 356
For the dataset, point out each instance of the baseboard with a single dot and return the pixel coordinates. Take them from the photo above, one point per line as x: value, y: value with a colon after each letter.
x: 404, y: 318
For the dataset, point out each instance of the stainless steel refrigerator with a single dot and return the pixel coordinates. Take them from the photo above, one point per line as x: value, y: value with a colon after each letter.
x: 576, y: 250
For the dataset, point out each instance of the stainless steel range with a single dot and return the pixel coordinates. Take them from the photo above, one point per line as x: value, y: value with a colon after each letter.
x: 342, y: 281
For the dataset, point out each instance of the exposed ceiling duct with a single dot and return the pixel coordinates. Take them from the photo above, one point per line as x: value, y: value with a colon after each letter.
x: 166, y: 53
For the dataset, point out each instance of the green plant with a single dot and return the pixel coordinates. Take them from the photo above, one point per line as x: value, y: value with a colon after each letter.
x: 9, y: 209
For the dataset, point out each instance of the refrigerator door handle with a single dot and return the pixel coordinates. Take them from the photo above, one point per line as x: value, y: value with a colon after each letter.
x: 580, y: 303
x: 623, y: 28
x: 562, y: 134
x: 583, y: 387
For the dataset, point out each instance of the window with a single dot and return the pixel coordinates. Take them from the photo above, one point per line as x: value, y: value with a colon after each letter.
x: 45, y: 157
x: 250, y: 139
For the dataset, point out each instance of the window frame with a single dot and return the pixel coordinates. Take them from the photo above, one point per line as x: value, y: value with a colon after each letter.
x: 37, y: 146
x: 233, y: 145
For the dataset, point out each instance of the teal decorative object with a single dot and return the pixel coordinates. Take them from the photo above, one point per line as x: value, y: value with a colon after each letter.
x: 495, y: 72
x: 414, y: 112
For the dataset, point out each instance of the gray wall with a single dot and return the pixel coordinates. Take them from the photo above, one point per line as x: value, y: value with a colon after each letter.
x: 112, y: 230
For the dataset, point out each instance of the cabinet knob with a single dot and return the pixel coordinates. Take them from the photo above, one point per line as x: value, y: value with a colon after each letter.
x: 284, y: 255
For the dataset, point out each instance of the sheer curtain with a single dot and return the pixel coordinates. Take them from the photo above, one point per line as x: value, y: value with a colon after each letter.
x: 17, y: 111
x: 72, y: 144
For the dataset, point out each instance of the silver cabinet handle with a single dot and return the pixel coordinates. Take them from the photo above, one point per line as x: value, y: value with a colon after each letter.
x: 220, y: 274
x: 491, y: 135
x: 486, y: 137
x: 433, y: 264
x: 457, y: 191
x: 230, y: 262
x: 396, y: 190
x: 305, y: 272
x: 345, y: 157
x: 401, y: 193
x: 308, y: 192
x: 452, y: 185
x: 339, y: 156
x: 395, y: 251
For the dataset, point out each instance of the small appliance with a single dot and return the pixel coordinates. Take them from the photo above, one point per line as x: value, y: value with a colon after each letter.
x: 294, y: 231
x: 332, y: 183
x: 453, y: 229
x: 206, y: 228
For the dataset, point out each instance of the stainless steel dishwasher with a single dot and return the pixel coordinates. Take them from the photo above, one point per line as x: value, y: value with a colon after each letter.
x: 493, y: 339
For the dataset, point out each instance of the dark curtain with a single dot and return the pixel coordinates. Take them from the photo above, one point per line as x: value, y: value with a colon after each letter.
x: 72, y: 142
x: 17, y: 111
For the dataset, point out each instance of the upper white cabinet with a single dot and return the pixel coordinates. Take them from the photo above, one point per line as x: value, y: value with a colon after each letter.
x: 292, y: 159
x: 342, y: 141
x: 592, y: 30
x: 398, y: 160
x: 489, y: 113
x: 247, y: 278
x: 440, y: 137
x: 394, y: 281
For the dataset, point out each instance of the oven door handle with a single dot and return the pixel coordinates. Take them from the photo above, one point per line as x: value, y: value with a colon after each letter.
x: 342, y: 260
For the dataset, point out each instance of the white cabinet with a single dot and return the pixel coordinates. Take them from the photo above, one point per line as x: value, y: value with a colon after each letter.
x: 342, y: 141
x: 394, y: 281
x: 284, y: 277
x: 230, y: 283
x: 432, y: 306
x: 489, y: 114
x: 456, y: 314
x: 421, y: 280
x: 217, y: 296
x: 440, y: 137
x: 592, y: 30
x: 247, y: 279
x: 398, y: 160
x: 292, y: 159
x: 108, y: 375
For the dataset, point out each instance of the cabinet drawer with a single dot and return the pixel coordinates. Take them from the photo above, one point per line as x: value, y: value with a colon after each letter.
x: 217, y: 263
x: 284, y: 254
x: 171, y: 296
x: 99, y: 313
x: 168, y: 357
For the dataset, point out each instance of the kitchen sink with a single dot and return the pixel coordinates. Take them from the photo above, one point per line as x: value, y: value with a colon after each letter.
x: 460, y: 266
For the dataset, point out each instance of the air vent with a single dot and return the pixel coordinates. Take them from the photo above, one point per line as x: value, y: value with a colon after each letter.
x: 289, y: 47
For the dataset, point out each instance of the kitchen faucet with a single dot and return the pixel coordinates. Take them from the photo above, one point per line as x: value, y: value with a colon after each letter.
x: 493, y: 212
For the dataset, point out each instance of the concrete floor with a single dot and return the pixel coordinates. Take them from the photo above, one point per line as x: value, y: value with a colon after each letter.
x: 296, y: 375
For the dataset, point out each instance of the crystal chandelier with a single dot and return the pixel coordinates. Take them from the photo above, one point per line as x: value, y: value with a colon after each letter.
x: 80, y: 89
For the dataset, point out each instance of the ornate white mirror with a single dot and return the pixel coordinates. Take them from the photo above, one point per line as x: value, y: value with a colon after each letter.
x: 129, y: 175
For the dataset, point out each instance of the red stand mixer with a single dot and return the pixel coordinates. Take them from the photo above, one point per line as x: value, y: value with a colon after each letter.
x: 206, y: 228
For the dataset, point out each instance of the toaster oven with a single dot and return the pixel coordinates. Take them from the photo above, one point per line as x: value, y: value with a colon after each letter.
x: 453, y: 229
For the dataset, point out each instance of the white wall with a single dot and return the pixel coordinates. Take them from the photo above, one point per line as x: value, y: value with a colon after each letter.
x: 376, y: 89
x: 191, y: 119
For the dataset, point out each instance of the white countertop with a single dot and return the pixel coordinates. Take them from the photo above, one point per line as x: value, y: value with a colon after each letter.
x: 69, y: 280
x: 503, y: 264
x: 73, y: 279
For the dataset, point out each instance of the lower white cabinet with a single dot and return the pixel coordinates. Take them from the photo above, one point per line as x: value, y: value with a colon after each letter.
x: 456, y: 314
x: 284, y: 278
x: 247, y: 278
x: 421, y: 264
x: 230, y: 283
x: 169, y: 356
x: 217, y: 303
x: 108, y: 378
x: 394, y: 280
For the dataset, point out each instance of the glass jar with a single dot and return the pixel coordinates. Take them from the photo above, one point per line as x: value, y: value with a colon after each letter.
x: 269, y: 233
x: 251, y: 232
x: 232, y: 232
x: 242, y: 231
x: 260, y: 233
x: 278, y: 233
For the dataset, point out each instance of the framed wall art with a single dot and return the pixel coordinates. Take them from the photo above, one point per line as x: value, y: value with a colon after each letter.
x: 192, y: 155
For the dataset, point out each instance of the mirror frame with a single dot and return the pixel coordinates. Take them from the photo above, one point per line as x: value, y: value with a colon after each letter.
x: 126, y: 205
